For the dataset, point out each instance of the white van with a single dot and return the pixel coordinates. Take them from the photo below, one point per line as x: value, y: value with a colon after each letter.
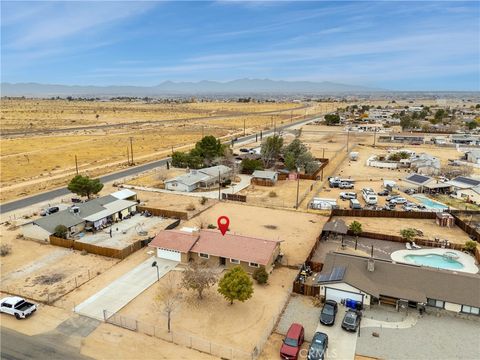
x: 355, y: 204
x: 369, y: 196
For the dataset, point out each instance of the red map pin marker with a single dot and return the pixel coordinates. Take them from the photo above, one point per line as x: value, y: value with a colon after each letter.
x: 223, y: 223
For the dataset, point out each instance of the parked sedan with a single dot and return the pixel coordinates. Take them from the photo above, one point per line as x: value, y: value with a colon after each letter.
x: 383, y: 193
x: 398, y: 200
x: 318, y: 347
x: 351, y: 320
x: 329, y: 311
x: 292, y: 342
x: 348, y: 195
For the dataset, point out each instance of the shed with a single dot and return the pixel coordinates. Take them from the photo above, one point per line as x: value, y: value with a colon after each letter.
x: 445, y: 219
x: 264, y: 177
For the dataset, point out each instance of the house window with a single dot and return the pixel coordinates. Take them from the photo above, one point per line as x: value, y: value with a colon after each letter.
x: 253, y: 265
x: 436, y: 303
x: 205, y: 256
x: 470, y: 310
x: 235, y: 261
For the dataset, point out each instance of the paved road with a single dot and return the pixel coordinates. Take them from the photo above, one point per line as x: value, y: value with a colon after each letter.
x: 123, y: 290
x: 17, y: 346
x: 42, y: 197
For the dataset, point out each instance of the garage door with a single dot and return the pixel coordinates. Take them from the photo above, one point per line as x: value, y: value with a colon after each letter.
x: 169, y: 254
x: 339, y: 295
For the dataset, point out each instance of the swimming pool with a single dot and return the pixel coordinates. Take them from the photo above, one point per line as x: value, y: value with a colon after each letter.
x: 433, y: 260
x: 438, y: 258
x: 430, y: 204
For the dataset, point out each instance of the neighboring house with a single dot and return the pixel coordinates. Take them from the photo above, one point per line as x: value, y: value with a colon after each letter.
x: 406, y: 139
x: 212, y: 247
x: 465, y: 139
x: 473, y: 156
x: 469, y: 195
x: 463, y: 182
x: 202, y: 178
x: 417, y: 181
x: 90, y: 215
x: 374, y: 281
x: 125, y: 194
x: 425, y: 164
x: 264, y: 177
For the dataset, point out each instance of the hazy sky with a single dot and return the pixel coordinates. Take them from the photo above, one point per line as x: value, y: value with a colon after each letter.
x: 430, y: 45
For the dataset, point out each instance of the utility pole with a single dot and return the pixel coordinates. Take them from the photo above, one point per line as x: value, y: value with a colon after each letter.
x: 131, y: 148
x: 291, y: 116
x: 128, y: 156
x: 256, y: 137
x: 76, y: 164
x: 348, y: 137
x: 374, y: 136
x: 298, y: 187
x: 261, y: 135
x: 219, y: 186
x: 244, y: 127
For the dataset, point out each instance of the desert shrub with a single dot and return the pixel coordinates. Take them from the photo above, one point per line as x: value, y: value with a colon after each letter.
x: 211, y: 226
x: 190, y: 207
x: 203, y: 200
x: 84, y: 252
x: 61, y: 231
x: 470, y: 246
x: 272, y: 194
x: 260, y: 275
x: 5, y: 250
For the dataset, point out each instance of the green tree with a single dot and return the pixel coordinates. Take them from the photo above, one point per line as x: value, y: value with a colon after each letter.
x: 236, y: 285
x: 250, y: 165
x: 406, y: 122
x: 208, y: 148
x: 84, y: 186
x: 332, y: 119
x: 470, y: 246
x: 440, y: 114
x: 61, y: 231
x: 472, y: 125
x: 260, y: 275
x: 408, y: 234
x: 290, y: 161
x: 270, y: 149
x: 356, y: 228
x: 296, y: 147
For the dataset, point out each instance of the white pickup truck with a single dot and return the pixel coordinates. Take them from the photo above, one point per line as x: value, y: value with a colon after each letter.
x: 17, y: 306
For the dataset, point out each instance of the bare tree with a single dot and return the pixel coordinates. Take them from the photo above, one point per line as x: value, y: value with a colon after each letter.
x: 168, y: 297
x: 199, y: 277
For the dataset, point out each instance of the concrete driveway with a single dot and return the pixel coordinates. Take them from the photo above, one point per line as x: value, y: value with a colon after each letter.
x: 341, y: 343
x: 126, y: 288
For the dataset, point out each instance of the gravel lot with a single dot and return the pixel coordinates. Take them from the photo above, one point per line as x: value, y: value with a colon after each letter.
x: 300, y: 309
x: 441, y: 338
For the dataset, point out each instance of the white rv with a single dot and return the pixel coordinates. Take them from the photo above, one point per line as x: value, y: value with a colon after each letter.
x: 369, y: 196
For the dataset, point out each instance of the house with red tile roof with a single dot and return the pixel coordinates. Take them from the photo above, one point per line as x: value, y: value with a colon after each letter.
x: 211, y: 247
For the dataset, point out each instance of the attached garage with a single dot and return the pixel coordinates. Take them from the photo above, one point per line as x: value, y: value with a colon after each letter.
x: 338, y: 295
x: 169, y: 254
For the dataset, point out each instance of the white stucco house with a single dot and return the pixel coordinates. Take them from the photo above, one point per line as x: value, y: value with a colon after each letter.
x: 202, y: 178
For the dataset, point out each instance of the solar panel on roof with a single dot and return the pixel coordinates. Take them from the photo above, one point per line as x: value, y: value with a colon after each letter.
x: 467, y: 181
x: 418, y: 178
x: 336, y: 274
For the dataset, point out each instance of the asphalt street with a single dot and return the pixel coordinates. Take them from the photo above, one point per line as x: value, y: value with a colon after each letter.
x: 49, y: 195
x: 17, y: 346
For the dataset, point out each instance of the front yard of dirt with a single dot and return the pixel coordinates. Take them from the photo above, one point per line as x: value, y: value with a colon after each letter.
x: 242, y: 326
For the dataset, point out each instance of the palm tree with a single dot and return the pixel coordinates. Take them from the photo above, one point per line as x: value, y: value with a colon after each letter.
x: 356, y: 228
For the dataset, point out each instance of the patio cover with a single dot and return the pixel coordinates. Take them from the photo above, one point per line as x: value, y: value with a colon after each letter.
x: 337, y: 226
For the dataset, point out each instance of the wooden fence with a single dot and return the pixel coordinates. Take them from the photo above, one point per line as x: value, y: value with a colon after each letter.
x: 234, y: 197
x: 262, y: 182
x: 386, y: 214
x: 314, y: 176
x: 164, y: 212
x: 470, y: 230
x: 305, y: 289
x: 99, y: 250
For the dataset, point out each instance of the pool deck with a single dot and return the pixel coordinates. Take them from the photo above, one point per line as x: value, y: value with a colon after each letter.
x: 466, y: 260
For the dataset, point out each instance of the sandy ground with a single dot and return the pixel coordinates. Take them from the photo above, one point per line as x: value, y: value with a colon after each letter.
x: 392, y: 226
x: 285, y: 192
x: 297, y: 230
x: 241, y: 325
x: 26, y: 269
x: 111, y: 342
x: 48, y: 160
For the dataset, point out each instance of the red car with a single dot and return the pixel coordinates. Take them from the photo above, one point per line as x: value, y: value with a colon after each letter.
x: 292, y: 342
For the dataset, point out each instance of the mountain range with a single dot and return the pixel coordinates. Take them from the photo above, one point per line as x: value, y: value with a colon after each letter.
x: 205, y: 87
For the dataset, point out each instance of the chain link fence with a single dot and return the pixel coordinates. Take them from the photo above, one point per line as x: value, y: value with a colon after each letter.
x: 179, y: 338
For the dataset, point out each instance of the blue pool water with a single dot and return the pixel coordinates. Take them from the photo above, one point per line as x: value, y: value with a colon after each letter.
x: 430, y: 203
x: 433, y: 260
